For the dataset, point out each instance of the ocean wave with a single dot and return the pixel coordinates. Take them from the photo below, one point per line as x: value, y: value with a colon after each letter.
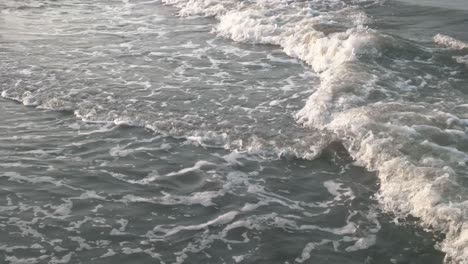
x: 365, y: 99
x: 413, y: 145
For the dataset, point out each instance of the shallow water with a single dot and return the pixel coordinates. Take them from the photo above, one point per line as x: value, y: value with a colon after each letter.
x: 78, y: 192
x: 226, y: 132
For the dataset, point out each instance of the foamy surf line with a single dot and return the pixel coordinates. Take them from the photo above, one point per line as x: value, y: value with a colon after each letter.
x: 412, y: 183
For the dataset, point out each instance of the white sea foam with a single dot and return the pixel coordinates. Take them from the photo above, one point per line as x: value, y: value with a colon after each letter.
x: 198, y: 165
x: 202, y: 198
x: 462, y: 59
x: 220, y: 220
x: 306, y: 252
x: 450, y: 42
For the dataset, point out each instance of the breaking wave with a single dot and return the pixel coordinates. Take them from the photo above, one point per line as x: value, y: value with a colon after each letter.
x: 367, y: 101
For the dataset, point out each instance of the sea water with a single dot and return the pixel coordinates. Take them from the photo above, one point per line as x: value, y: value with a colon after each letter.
x: 193, y: 131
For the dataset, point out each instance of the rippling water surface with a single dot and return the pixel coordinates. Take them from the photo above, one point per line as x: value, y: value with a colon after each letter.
x: 233, y: 132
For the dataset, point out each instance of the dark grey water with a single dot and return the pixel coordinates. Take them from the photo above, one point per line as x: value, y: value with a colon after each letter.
x: 452, y: 4
x: 80, y: 193
x: 227, y: 132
